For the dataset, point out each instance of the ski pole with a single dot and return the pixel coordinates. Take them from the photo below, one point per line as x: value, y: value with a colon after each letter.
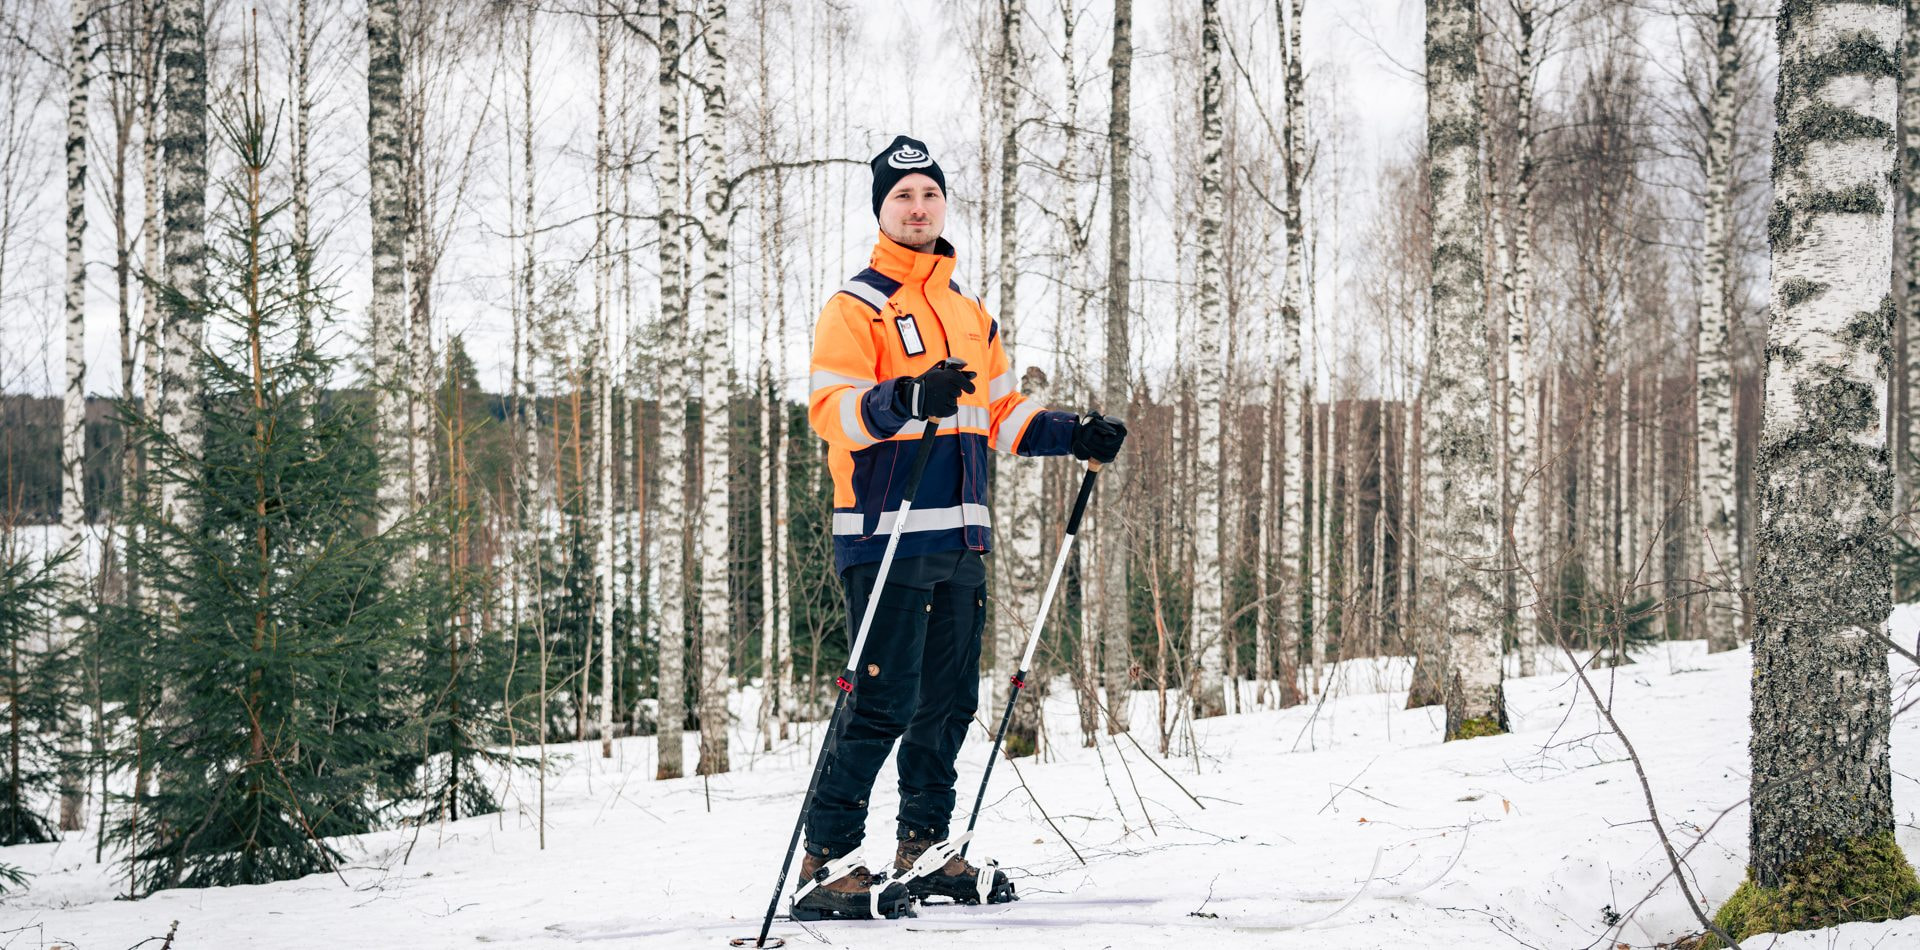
x: 1033, y: 640
x: 847, y: 678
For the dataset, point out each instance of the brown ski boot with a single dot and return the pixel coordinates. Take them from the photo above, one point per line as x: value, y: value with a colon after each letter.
x: 844, y: 889
x: 954, y: 878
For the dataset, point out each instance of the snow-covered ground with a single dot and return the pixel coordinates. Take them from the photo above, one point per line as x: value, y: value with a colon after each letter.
x: 1341, y: 824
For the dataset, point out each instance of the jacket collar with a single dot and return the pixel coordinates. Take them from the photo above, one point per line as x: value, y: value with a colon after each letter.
x: 909, y: 266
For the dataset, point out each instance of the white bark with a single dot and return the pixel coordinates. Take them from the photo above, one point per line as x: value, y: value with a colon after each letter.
x: 526, y: 332
x: 1018, y: 480
x: 302, y: 200
x: 603, y: 567
x: 673, y: 403
x: 1907, y: 488
x: 716, y: 386
x: 1025, y: 538
x: 1719, y: 543
x: 387, y: 328
x: 1290, y: 384
x: 1212, y: 691
x: 1460, y: 527
x: 1523, y: 385
x: 184, y: 200
x: 73, y: 426
x: 1821, y: 692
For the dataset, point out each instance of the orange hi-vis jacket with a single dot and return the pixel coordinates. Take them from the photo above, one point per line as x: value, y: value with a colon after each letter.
x: 897, y: 319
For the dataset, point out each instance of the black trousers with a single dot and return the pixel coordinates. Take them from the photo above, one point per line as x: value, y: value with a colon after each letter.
x: 919, y: 682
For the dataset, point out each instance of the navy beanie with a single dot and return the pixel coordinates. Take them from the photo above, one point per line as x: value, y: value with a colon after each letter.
x: 903, y: 157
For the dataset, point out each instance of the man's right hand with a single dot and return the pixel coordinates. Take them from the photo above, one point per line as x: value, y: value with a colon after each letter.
x: 934, y: 393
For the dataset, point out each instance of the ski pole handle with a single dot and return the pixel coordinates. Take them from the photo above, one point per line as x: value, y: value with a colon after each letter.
x: 1080, y: 500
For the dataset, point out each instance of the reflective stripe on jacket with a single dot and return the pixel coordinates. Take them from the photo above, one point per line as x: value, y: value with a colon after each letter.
x: 897, y: 319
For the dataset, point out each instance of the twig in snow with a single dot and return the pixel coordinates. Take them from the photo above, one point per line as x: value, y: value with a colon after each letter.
x: 1646, y: 790
x: 1349, y: 785
x: 1043, y: 809
x: 1122, y: 754
x: 1149, y: 758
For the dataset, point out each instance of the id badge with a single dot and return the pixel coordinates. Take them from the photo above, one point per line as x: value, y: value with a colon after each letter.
x: 910, y: 335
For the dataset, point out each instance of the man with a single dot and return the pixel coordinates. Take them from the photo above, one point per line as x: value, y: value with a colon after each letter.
x: 879, y: 372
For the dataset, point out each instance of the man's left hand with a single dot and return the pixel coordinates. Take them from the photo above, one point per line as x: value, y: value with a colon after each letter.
x: 1098, y: 437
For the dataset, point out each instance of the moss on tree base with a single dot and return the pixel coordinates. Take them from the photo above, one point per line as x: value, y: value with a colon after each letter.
x: 1475, y: 728
x: 1867, y: 879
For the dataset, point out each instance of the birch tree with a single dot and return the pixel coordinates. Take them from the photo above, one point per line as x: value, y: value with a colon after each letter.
x: 1289, y: 385
x: 670, y: 553
x: 1212, y: 693
x: 1522, y: 396
x: 1822, y: 806
x: 184, y: 238
x: 1021, y: 480
x: 1907, y: 496
x: 526, y: 331
x: 1718, y: 545
x: 1458, y: 480
x: 73, y: 426
x: 603, y: 423
x: 386, y: 201
x: 301, y: 48
x: 716, y: 388
x: 1110, y: 602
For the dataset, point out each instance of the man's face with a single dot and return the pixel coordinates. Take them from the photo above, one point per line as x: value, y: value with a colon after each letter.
x: 914, y: 212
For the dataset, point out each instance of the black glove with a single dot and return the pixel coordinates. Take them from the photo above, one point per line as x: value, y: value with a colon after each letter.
x: 1098, y: 437
x: 934, y: 393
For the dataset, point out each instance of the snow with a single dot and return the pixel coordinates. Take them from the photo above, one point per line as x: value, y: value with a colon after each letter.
x: 1343, y: 823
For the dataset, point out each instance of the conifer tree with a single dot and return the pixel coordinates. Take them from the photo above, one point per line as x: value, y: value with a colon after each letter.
x: 29, y: 693
x: 278, y: 724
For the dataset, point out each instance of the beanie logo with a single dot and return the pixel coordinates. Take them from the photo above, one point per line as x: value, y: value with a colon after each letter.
x: 906, y: 156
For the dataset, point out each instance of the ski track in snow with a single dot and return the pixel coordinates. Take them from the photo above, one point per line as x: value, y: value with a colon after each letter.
x: 1530, y: 839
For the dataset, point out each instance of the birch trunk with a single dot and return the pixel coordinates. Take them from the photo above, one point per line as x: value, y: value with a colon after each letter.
x: 526, y: 333
x: 386, y: 199
x: 1909, y: 485
x: 1212, y: 693
x: 1821, y: 778
x: 1523, y: 384
x: 302, y: 200
x: 769, y: 408
x: 185, y: 202
x: 152, y: 261
x: 672, y: 360
x: 1289, y: 386
x: 1021, y: 479
x: 603, y: 423
x: 1718, y: 535
x: 73, y: 425
x: 1458, y: 481
x: 128, y: 110
x: 716, y: 369
x: 1110, y: 542
x: 1027, y: 530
